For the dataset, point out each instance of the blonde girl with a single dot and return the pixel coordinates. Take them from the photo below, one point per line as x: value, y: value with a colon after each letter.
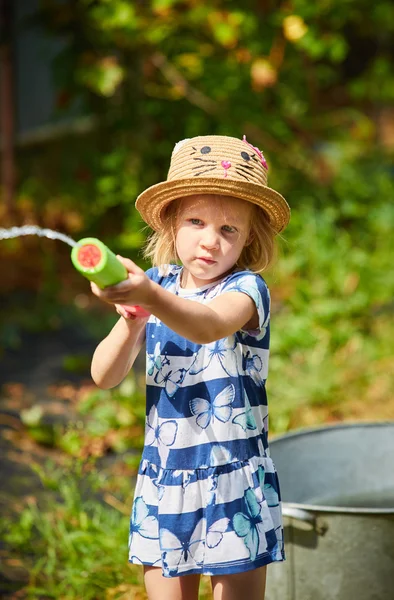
x: 207, y: 498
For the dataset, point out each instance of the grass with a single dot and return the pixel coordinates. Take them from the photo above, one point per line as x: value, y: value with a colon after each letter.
x: 72, y: 545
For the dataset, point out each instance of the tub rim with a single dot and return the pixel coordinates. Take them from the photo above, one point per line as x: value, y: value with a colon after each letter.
x: 317, y: 508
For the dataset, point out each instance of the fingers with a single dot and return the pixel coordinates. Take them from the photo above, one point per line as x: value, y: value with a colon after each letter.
x: 95, y: 288
x: 102, y: 294
x: 124, y: 312
x: 117, y: 294
x: 132, y: 312
x: 133, y: 290
x: 129, y: 264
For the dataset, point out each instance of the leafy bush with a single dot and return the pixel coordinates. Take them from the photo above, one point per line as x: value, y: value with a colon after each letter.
x: 332, y: 299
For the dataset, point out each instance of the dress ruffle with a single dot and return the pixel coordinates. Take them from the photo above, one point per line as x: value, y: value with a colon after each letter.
x: 185, y: 521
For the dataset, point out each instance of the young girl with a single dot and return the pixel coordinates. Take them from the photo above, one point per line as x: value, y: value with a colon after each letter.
x: 207, y: 497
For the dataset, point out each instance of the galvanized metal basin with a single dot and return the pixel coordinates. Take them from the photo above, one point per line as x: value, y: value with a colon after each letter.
x: 337, y: 486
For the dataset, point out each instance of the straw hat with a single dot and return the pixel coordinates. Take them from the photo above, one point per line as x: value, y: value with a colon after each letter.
x: 214, y: 164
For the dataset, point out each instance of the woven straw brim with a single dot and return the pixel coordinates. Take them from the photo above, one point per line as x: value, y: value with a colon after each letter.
x: 152, y: 202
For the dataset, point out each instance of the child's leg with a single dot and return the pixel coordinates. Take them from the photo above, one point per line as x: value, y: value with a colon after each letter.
x: 250, y: 585
x: 170, y: 588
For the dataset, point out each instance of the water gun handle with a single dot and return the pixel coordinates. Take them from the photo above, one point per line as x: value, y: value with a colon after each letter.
x: 97, y: 263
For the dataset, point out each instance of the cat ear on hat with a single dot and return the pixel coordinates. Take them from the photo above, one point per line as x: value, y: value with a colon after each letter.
x: 179, y: 145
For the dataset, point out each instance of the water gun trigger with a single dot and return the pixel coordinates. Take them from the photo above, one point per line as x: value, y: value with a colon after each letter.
x: 137, y: 311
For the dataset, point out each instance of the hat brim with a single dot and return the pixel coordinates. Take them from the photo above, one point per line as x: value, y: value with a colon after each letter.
x: 151, y: 203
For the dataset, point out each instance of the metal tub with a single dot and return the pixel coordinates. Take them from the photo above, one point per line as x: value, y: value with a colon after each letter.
x: 337, y: 486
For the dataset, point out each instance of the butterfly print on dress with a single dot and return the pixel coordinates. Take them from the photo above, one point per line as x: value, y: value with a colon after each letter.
x: 220, y: 408
x: 177, y: 552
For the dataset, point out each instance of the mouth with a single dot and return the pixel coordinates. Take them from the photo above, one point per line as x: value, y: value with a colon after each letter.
x: 208, y: 261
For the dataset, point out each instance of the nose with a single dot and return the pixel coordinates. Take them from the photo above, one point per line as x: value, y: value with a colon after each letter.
x: 210, y: 239
x: 226, y: 164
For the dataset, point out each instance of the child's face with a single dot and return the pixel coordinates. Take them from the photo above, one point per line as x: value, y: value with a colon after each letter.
x: 211, y: 232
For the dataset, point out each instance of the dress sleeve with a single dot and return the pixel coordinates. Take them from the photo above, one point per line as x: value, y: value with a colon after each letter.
x: 152, y: 273
x: 252, y: 285
x: 163, y: 275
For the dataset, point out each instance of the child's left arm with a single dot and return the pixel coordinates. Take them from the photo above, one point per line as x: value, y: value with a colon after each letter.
x: 200, y: 323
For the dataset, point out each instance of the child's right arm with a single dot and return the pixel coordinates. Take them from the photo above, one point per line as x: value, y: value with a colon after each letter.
x: 115, y: 355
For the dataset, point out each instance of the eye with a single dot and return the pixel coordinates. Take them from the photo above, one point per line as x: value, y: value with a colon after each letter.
x: 195, y: 221
x: 245, y: 156
x: 205, y: 150
x: 229, y: 229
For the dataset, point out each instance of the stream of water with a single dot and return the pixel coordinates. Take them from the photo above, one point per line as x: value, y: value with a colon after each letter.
x: 14, y: 232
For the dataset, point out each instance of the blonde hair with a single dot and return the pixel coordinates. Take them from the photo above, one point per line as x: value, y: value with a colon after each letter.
x: 257, y: 255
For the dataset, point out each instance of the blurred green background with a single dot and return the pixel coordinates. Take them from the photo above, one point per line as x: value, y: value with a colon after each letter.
x: 310, y: 84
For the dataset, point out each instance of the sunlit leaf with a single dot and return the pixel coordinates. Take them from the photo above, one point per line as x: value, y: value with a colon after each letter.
x: 163, y: 4
x: 103, y: 76
x: 191, y: 63
x: 225, y: 34
x: 294, y: 28
x: 263, y: 74
x: 32, y: 416
x: 114, y: 14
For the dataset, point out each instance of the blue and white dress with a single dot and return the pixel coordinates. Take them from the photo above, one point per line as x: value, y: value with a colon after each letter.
x: 207, y: 497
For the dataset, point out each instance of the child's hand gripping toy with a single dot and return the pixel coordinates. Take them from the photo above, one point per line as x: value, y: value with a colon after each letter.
x: 97, y: 263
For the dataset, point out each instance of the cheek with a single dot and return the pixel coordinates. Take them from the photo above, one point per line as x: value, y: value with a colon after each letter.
x: 183, y: 239
x: 232, y: 250
x: 237, y: 244
x: 178, y: 242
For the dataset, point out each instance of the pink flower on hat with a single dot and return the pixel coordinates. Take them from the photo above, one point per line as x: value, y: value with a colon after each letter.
x: 260, y: 154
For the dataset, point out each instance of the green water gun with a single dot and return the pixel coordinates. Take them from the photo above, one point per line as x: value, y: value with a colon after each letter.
x: 97, y: 263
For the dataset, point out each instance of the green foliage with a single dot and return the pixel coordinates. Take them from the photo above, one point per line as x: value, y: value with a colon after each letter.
x: 334, y: 327
x: 74, y: 546
x: 106, y: 420
x: 165, y: 70
x: 311, y: 84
